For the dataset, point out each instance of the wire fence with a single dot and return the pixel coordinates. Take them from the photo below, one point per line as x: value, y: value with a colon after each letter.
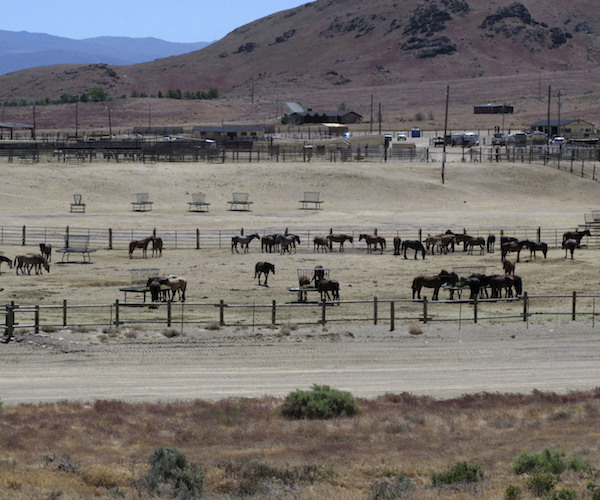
x: 213, y: 315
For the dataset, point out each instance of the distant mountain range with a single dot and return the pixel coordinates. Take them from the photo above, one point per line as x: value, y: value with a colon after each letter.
x: 22, y: 50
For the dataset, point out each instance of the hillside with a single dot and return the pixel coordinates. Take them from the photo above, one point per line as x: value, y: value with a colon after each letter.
x: 330, y: 52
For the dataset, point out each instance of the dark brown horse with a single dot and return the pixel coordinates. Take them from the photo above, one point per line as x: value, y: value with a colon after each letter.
x: 570, y: 246
x: 6, y: 259
x: 415, y: 245
x: 268, y: 243
x: 46, y: 251
x: 326, y: 286
x: 434, y: 282
x: 263, y: 268
x: 491, y: 243
x: 320, y: 243
x: 157, y: 247
x: 476, y: 242
x: 339, y: 238
x: 499, y: 282
x: 512, y: 246
x: 536, y: 246
x: 143, y: 244
x: 508, y: 266
x: 372, y: 242
x: 397, y: 245
x: 575, y: 235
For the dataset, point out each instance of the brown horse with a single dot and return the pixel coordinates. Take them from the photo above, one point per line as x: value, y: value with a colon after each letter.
x: 434, y: 282
x: 490, y: 243
x: 397, y: 245
x: 536, y: 246
x: 416, y: 245
x: 157, y: 247
x: 320, y: 243
x: 46, y: 251
x: 6, y: 259
x: 575, y: 235
x: 476, y: 242
x: 570, y: 246
x: 268, y: 243
x: 512, y: 246
x: 339, y: 238
x: 29, y: 261
x: 326, y: 286
x: 244, y: 241
x: 143, y: 244
x: 508, y: 266
x: 263, y: 268
x: 372, y: 241
x: 506, y: 282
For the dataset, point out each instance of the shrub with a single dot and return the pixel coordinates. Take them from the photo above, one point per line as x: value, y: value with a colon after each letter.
x: 513, y: 493
x: 401, y: 487
x: 320, y: 402
x: 461, y: 472
x: 595, y: 489
x: 563, y: 494
x: 546, y: 461
x: 541, y: 483
x: 170, y: 466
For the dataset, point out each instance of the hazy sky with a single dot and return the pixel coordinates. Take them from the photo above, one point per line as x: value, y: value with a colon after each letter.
x: 178, y: 21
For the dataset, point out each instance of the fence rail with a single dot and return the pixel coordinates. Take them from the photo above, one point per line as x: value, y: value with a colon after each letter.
x: 574, y: 306
x: 110, y: 239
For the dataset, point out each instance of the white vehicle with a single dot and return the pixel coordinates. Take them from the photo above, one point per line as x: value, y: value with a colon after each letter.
x: 401, y: 136
x: 558, y: 140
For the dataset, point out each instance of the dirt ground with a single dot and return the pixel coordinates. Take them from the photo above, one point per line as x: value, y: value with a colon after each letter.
x: 138, y: 364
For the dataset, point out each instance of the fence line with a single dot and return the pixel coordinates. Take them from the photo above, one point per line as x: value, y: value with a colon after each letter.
x: 376, y: 311
x: 221, y: 238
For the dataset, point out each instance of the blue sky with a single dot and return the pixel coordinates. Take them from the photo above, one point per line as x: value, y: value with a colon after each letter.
x: 179, y: 21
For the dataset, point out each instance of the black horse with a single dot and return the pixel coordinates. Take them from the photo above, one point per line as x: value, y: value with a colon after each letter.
x: 416, y: 245
x: 326, y: 286
x: 263, y: 268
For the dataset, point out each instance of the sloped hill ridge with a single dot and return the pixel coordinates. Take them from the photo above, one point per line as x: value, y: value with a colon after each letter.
x: 315, y: 51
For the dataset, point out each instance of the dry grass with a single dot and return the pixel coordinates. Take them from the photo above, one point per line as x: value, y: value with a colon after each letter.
x: 102, y: 449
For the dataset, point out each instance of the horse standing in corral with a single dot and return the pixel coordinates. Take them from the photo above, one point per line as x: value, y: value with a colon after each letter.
x: 575, y: 235
x: 476, y: 242
x: 397, y: 245
x: 46, y: 251
x: 156, y: 292
x: 512, y: 246
x: 508, y: 267
x: 490, y: 243
x: 29, y: 262
x: 287, y: 242
x: 506, y: 282
x: 157, y: 247
x: 536, y: 246
x: 263, y: 268
x: 372, y: 241
x: 320, y: 243
x: 143, y: 244
x: 415, y: 245
x: 434, y: 282
x: 178, y: 285
x: 244, y: 241
x: 570, y: 246
x: 6, y: 259
x: 339, y: 238
x: 326, y: 286
x: 268, y: 243
x: 430, y: 243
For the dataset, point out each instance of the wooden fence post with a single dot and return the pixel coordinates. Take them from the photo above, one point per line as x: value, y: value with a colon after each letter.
x: 525, y: 305
x: 110, y: 239
x: 64, y: 312
x: 169, y: 311
x: 424, y: 309
x: 221, y: 312
x: 36, y: 319
x: 197, y: 239
x: 392, y: 316
x: 10, y: 321
x: 374, y: 310
x: 323, y: 309
x: 573, y: 313
x: 67, y: 237
x: 273, y: 313
x: 475, y: 309
x: 539, y: 234
x: 23, y: 238
x: 117, y: 314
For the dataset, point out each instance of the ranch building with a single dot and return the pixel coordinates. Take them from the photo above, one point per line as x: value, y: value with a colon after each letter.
x: 492, y: 109
x: 310, y: 116
x: 231, y: 132
x: 568, y: 128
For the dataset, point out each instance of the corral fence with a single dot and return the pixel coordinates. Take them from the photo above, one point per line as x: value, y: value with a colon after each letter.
x: 198, y: 239
x: 212, y: 315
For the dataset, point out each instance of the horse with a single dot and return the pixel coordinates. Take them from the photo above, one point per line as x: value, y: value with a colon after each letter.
x: 178, y: 285
x: 508, y: 267
x: 434, y: 282
x: 431, y: 242
x: 575, y: 235
x: 535, y: 246
x: 6, y: 259
x: 268, y: 243
x: 478, y: 284
x: 416, y: 245
x: 570, y: 246
x: 476, y: 242
x: 339, y: 238
x: 143, y: 244
x: 287, y: 241
x: 244, y: 241
x: 157, y: 246
x: 506, y: 282
x: 512, y: 246
x: 372, y: 242
x: 46, y: 251
x: 490, y: 243
x: 320, y: 243
x: 156, y: 291
x: 397, y: 245
x: 326, y: 286
x: 28, y: 262
x: 460, y: 238
x: 263, y: 268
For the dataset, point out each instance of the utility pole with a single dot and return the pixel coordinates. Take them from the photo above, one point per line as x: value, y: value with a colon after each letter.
x: 558, y: 126
x: 548, y: 129
x: 379, y: 118
x: 445, y: 132
x: 77, y: 119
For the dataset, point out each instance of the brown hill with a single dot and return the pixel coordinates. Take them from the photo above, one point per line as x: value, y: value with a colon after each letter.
x: 403, y: 54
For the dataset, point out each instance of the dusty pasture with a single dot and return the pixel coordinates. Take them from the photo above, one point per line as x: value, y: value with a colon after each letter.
x: 137, y: 363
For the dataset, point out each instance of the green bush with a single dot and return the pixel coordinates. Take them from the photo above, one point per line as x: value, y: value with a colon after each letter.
x: 461, y: 472
x: 547, y: 461
x: 401, y: 487
x: 541, y: 483
x: 321, y: 402
x: 595, y: 489
x: 170, y: 466
x: 563, y: 494
x: 513, y: 493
